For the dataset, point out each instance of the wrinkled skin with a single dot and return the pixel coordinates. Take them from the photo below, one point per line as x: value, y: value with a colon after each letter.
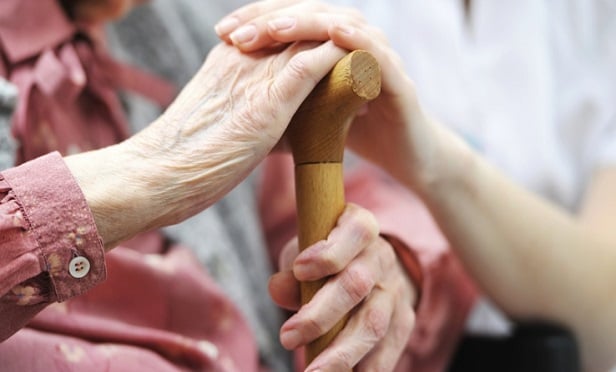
x: 220, y: 127
x: 230, y: 116
x: 367, y: 281
x: 393, y: 126
x: 460, y: 187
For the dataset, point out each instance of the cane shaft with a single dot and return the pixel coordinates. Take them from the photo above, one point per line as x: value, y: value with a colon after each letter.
x: 317, y: 135
x: 320, y: 201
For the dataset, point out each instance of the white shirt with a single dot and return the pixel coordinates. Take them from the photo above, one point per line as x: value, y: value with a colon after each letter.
x: 530, y: 83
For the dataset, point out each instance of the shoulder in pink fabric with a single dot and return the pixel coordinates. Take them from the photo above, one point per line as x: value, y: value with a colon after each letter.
x: 67, y: 82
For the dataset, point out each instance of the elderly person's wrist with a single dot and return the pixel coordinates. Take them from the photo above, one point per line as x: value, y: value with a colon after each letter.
x: 199, y: 157
x: 122, y: 190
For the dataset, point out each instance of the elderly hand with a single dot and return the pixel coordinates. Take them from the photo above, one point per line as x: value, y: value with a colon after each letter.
x: 222, y: 124
x: 366, y: 280
x: 393, y: 132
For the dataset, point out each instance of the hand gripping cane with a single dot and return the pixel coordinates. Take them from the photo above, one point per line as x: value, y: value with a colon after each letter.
x: 317, y: 135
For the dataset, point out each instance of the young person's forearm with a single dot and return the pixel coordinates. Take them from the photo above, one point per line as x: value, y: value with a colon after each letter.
x: 534, y: 259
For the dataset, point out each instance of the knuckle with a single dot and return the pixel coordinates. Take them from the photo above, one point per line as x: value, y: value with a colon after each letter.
x: 344, y: 360
x: 364, y: 226
x: 330, y: 262
x: 357, y: 284
x: 296, y: 69
x: 299, y: 68
x: 370, y: 221
x: 362, y: 234
x: 376, y: 324
x: 313, y: 327
x: 387, y: 255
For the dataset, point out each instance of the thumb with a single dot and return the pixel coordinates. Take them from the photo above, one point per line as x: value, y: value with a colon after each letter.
x: 301, y: 74
x: 284, y: 290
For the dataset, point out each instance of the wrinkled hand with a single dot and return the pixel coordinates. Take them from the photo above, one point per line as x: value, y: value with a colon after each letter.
x: 393, y: 132
x: 366, y: 280
x: 222, y: 124
x: 232, y: 113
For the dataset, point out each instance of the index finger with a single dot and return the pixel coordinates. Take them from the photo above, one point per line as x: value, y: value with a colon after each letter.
x: 243, y: 15
x: 356, y: 230
x: 273, y: 22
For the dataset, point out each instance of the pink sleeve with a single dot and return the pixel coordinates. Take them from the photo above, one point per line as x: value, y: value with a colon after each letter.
x: 447, y: 292
x: 50, y: 249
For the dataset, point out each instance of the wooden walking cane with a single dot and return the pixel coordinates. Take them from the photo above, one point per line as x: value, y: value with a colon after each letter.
x: 317, y: 135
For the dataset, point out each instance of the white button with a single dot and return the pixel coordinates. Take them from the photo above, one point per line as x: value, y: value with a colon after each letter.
x: 79, y: 267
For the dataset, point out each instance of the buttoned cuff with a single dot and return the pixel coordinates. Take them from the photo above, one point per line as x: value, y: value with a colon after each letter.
x: 70, y: 249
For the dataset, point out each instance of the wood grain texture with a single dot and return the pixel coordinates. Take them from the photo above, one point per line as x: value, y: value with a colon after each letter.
x: 317, y: 136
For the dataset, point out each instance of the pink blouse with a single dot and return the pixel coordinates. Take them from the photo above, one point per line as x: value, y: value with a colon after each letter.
x: 147, y: 305
x: 157, y: 310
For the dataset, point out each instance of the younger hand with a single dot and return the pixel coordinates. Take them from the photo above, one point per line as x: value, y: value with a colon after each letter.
x: 393, y: 132
x: 366, y: 281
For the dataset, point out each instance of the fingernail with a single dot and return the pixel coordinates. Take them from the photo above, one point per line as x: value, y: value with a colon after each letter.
x: 291, y: 339
x: 282, y: 23
x: 243, y: 34
x: 226, y: 25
